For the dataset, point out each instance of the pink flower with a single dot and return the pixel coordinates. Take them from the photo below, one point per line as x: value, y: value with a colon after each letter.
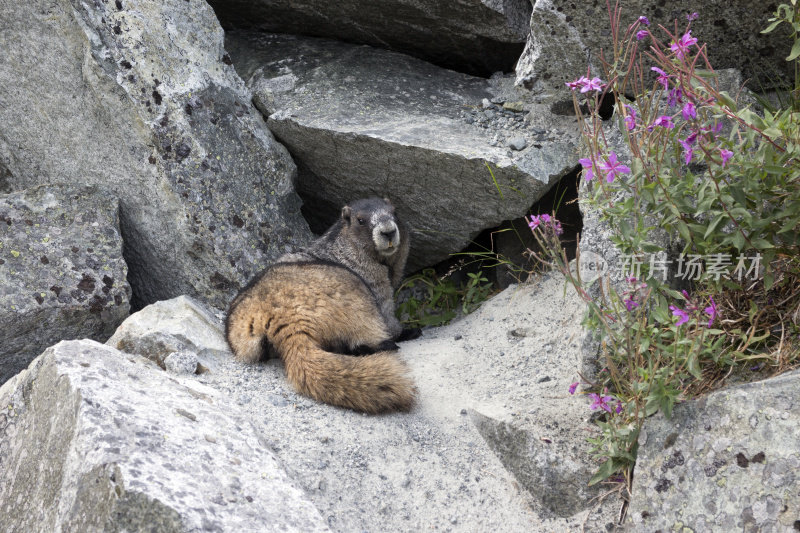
x: 535, y: 221
x: 663, y: 121
x: 618, y: 408
x: 726, y: 154
x: 630, y: 305
x: 663, y: 78
x: 630, y: 118
x: 588, y: 171
x: 611, y: 167
x: 681, y: 47
x: 600, y: 401
x: 711, y: 311
x: 692, y: 16
x: 595, y: 84
x: 644, y: 20
x: 641, y: 34
x: 573, y: 387
x: 577, y: 83
x: 675, y: 97
x: 688, y: 151
x: 683, y: 315
x: 689, y: 111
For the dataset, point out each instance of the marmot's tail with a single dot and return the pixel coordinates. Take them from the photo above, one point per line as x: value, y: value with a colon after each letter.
x: 374, y: 383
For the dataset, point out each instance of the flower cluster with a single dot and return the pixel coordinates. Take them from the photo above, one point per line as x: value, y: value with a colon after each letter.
x: 692, y: 308
x: 585, y: 84
x: 545, y: 220
x: 608, y: 166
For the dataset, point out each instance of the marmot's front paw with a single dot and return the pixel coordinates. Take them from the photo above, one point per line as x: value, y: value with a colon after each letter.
x: 409, y: 334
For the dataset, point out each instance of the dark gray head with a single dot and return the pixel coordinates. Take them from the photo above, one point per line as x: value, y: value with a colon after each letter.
x: 373, y: 220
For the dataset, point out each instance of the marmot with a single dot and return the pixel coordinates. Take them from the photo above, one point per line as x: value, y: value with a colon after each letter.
x: 321, y: 308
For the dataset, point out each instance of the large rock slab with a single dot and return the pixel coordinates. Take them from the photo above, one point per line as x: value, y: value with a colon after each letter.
x: 475, y: 36
x: 62, y: 275
x: 565, y: 38
x: 138, y: 98
x: 726, y: 462
x: 361, y: 121
x: 508, y: 367
x: 92, y: 439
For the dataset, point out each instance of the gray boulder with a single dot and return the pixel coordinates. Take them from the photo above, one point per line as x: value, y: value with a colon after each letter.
x: 726, y: 462
x: 476, y: 36
x: 361, y: 121
x: 62, y: 275
x: 565, y: 38
x: 172, y: 329
x: 138, y: 98
x: 95, y: 440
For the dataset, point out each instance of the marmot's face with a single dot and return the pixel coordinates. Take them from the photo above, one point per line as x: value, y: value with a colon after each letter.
x: 374, y: 220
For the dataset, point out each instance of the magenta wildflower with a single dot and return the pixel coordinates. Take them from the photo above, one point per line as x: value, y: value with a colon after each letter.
x: 641, y: 34
x: 688, y: 111
x: 577, y: 83
x: 674, y: 97
x: 611, y: 167
x: 726, y: 154
x: 630, y: 118
x: 595, y: 84
x: 630, y: 304
x: 692, y: 16
x: 663, y: 121
x: 588, y: 169
x: 600, y: 402
x: 692, y: 138
x: 688, y: 151
x: 711, y: 311
x: 535, y: 221
x: 618, y: 408
x: 644, y: 20
x: 663, y: 78
x: 573, y: 387
x: 681, y: 47
x: 683, y: 315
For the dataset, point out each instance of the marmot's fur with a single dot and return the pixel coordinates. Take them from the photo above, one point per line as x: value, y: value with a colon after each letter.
x: 321, y: 308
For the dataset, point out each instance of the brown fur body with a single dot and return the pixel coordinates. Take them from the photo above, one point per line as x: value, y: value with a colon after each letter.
x: 313, y: 308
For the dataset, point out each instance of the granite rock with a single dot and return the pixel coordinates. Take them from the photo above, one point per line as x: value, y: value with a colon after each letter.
x: 92, y: 439
x: 726, y: 462
x: 361, y: 121
x: 475, y: 36
x: 139, y: 98
x: 565, y: 38
x: 62, y: 275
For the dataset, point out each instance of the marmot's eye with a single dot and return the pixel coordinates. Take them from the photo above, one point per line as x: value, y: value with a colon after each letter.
x: 360, y: 220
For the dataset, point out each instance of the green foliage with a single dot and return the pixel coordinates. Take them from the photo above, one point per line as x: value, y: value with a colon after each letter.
x: 722, y: 181
x: 442, y: 298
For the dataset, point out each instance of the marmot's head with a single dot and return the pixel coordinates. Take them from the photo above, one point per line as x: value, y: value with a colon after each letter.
x: 372, y: 220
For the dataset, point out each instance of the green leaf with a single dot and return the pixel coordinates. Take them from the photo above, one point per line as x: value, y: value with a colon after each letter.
x: 713, y: 226
x: 771, y: 27
x: 795, y: 51
x: 604, y: 472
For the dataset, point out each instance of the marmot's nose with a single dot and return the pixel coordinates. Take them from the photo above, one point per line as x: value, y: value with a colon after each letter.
x: 389, y: 234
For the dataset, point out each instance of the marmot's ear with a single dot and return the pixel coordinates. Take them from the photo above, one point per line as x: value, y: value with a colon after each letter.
x: 346, y: 215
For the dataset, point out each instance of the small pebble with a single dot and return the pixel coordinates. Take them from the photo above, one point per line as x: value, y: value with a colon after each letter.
x: 181, y: 362
x: 518, y: 143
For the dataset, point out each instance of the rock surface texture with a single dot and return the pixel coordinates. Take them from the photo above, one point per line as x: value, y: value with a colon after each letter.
x: 566, y: 37
x: 475, y: 36
x: 507, y: 365
x: 62, y: 275
x: 726, y: 462
x: 92, y: 439
x: 138, y: 98
x: 361, y: 121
